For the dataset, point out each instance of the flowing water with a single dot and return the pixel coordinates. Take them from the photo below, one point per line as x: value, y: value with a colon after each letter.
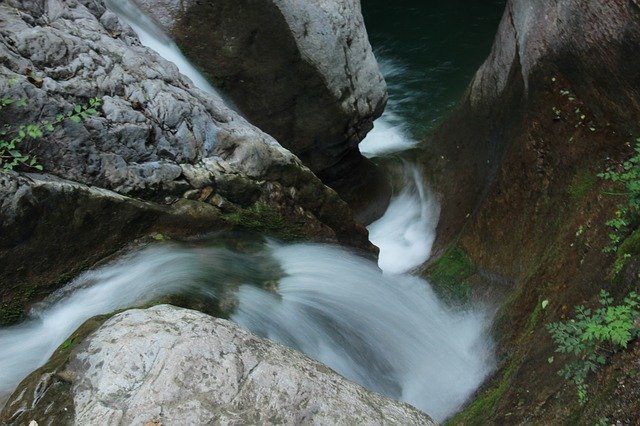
x: 389, y: 333
x: 385, y: 330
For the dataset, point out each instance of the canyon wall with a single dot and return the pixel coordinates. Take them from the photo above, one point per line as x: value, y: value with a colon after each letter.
x: 556, y: 102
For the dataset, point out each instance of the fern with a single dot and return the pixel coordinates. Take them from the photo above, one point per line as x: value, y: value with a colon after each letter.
x: 594, y: 334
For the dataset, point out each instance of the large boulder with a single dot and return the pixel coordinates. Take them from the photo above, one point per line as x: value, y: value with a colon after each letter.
x: 302, y: 71
x: 586, y: 48
x: 156, y: 137
x: 167, y: 365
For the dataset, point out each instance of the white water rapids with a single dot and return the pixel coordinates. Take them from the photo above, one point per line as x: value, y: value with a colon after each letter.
x: 387, y: 331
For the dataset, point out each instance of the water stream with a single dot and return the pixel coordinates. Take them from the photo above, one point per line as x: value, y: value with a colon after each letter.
x: 385, y: 330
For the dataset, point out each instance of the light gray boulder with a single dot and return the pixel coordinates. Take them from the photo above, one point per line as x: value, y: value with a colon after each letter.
x: 169, y: 366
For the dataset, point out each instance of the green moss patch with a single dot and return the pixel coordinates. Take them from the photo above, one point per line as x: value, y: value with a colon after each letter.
x: 582, y: 183
x: 264, y: 219
x: 484, y: 405
x: 449, y: 273
x: 12, y: 311
x: 630, y: 247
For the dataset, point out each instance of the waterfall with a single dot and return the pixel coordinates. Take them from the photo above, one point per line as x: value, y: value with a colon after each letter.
x: 390, y: 333
x: 155, y: 39
x: 407, y: 230
x: 387, y: 331
x: 390, y: 132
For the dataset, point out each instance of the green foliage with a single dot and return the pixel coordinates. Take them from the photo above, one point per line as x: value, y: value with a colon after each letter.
x: 594, y: 334
x: 12, y: 139
x: 627, y: 214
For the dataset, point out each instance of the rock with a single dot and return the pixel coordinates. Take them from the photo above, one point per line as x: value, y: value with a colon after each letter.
x: 170, y: 365
x: 588, y: 47
x: 156, y: 138
x: 555, y: 104
x: 302, y: 71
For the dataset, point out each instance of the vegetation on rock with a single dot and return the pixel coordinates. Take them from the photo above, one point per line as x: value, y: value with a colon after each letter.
x: 626, y: 216
x: 593, y: 335
x: 12, y: 139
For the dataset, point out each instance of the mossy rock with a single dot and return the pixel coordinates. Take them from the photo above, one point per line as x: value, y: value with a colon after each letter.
x: 449, y: 274
x: 265, y: 219
x: 50, y: 385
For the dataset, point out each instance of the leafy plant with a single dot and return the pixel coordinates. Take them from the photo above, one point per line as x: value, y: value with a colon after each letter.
x: 12, y: 140
x: 593, y: 335
x: 627, y: 214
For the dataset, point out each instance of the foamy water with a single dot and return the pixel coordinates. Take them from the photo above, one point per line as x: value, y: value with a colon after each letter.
x: 407, y: 230
x: 389, y: 333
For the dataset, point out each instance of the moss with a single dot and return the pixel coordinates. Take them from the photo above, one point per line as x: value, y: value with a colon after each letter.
x: 629, y: 248
x: 582, y: 183
x: 484, y: 405
x: 264, y: 219
x: 533, y: 320
x: 13, y: 311
x: 448, y: 274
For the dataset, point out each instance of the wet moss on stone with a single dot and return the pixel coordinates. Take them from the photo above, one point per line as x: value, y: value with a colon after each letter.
x: 449, y: 273
x: 582, y: 183
x: 265, y: 219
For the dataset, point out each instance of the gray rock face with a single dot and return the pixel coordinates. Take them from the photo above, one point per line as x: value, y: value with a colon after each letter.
x: 592, y: 43
x: 153, y: 119
x: 157, y: 138
x: 303, y: 71
x: 175, y: 366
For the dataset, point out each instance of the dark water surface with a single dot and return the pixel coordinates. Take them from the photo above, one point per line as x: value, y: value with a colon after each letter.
x: 429, y: 51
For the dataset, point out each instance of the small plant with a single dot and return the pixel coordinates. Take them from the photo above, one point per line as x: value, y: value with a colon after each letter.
x: 593, y: 335
x: 12, y: 140
x: 627, y: 214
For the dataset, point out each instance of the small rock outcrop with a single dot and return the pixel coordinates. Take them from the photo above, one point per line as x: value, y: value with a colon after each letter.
x: 155, y: 139
x: 302, y: 71
x: 167, y: 365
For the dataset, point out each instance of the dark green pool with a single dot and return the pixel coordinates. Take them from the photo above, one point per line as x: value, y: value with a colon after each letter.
x: 429, y: 51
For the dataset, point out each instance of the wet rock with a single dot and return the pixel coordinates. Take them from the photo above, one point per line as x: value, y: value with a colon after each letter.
x: 588, y: 47
x: 302, y: 71
x: 155, y: 138
x: 175, y: 366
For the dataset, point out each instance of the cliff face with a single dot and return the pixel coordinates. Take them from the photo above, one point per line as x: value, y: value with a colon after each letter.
x: 158, y: 146
x: 555, y: 103
x: 589, y: 46
x: 302, y: 71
